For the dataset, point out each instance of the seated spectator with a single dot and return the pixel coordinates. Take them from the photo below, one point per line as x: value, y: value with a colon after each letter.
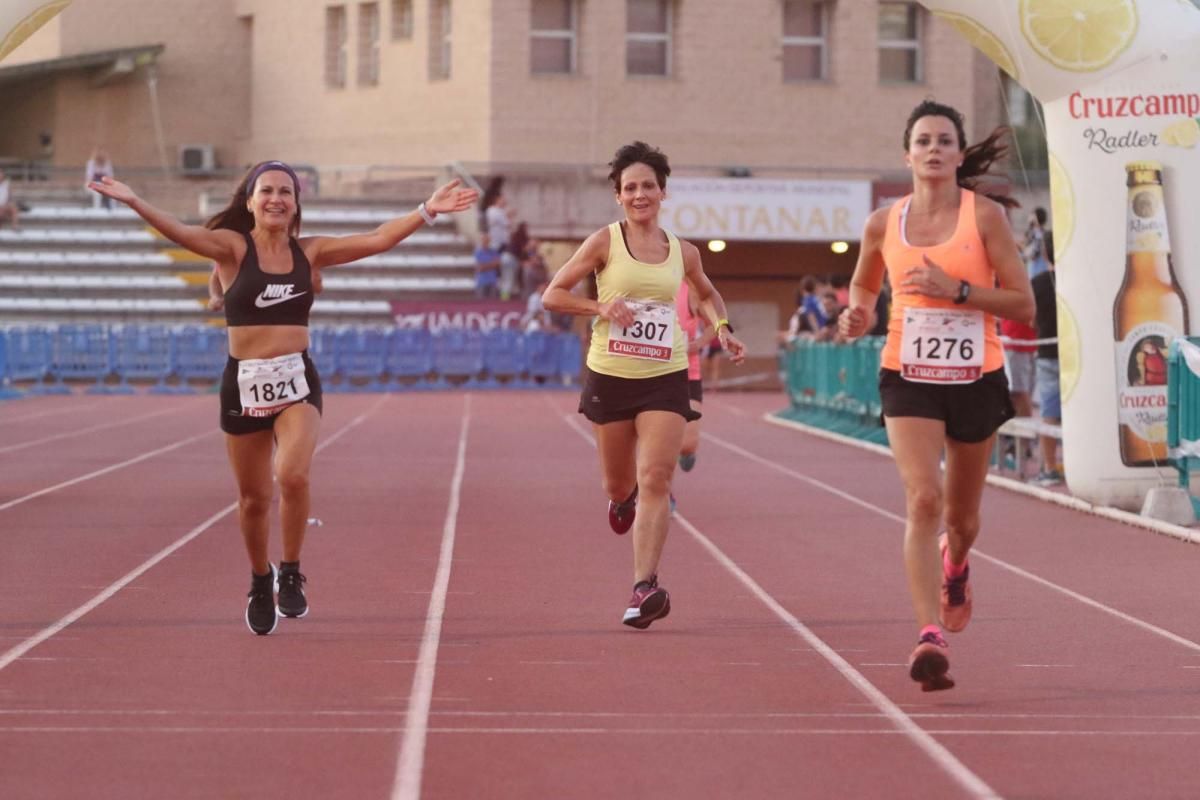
x: 830, y: 309
x: 8, y: 207
x: 536, y: 317
x: 533, y: 266
x: 487, y: 268
x: 810, y: 316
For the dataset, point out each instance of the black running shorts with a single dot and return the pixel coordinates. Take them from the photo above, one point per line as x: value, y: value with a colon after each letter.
x: 232, y: 420
x: 696, y: 390
x: 972, y: 411
x: 607, y: 398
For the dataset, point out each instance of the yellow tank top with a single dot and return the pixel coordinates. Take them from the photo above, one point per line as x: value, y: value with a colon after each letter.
x: 626, y: 277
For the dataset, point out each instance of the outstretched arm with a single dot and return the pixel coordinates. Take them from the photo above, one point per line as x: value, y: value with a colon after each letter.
x: 328, y: 251
x: 219, y: 245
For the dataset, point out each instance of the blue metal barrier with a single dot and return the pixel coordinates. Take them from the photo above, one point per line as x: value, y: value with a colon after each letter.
x: 570, y: 358
x: 81, y: 352
x: 6, y: 390
x: 143, y: 352
x: 504, y: 357
x: 360, y: 354
x: 200, y: 355
x: 1183, y: 411
x: 458, y: 353
x: 27, y: 350
x: 543, y: 351
x: 409, y: 358
x: 322, y: 349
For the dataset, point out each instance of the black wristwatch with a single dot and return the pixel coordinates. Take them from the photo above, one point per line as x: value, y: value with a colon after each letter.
x: 964, y: 291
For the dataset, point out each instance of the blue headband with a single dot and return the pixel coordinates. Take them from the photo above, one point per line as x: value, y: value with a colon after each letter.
x: 272, y: 166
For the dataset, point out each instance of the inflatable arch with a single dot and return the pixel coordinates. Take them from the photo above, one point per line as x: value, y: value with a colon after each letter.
x: 1119, y: 81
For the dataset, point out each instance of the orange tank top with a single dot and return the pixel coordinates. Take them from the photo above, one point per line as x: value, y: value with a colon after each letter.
x: 963, y: 257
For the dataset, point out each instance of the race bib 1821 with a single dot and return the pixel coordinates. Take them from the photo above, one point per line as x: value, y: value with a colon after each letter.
x: 941, y: 345
x: 269, y: 385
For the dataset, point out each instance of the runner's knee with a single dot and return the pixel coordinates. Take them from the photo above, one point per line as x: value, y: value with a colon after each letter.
x: 924, y: 503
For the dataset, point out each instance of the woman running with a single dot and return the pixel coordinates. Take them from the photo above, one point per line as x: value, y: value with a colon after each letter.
x: 693, y: 330
x: 635, y: 386
x: 951, y: 257
x: 270, y: 391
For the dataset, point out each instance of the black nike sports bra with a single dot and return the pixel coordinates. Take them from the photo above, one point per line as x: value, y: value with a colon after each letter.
x: 262, y: 298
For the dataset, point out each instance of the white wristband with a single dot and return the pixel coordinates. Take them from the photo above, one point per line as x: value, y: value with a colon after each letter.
x: 426, y: 214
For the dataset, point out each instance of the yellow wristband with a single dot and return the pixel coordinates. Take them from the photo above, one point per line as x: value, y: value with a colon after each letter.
x: 724, y: 322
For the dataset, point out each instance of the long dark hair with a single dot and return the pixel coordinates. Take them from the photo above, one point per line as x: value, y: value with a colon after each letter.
x: 236, y: 217
x: 977, y: 159
x: 639, y: 153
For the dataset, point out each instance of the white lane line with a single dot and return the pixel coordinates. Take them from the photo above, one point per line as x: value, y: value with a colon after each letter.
x: 104, y: 471
x: 411, y: 763
x: 1018, y: 487
x: 99, y: 427
x: 639, y: 731
x: 33, y: 641
x: 959, y: 772
x: 67, y: 409
x: 1088, y: 601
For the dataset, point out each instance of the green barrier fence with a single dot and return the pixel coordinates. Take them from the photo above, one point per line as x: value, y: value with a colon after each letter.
x: 835, y: 386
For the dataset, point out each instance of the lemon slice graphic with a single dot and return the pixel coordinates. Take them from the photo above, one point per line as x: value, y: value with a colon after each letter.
x: 1070, y: 355
x: 25, y: 28
x: 1062, y: 206
x: 1184, y: 133
x: 983, y: 39
x: 1079, y: 35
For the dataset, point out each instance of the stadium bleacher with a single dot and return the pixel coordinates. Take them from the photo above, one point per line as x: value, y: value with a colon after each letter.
x: 71, y: 263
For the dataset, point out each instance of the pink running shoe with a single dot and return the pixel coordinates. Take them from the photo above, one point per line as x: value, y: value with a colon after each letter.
x: 620, y: 515
x: 928, y: 664
x: 650, y: 602
x: 956, y: 594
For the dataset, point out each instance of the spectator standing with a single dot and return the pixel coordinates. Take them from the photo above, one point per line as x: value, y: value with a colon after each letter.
x: 99, y: 167
x: 1034, y: 249
x: 1045, y: 294
x: 487, y: 268
x: 9, y: 210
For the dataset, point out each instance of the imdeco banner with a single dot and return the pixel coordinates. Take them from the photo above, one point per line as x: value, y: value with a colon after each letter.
x: 1120, y: 85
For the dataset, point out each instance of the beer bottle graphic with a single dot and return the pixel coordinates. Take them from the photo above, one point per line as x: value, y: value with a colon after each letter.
x: 1150, y: 310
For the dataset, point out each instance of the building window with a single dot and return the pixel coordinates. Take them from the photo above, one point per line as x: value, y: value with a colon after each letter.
x: 402, y: 19
x: 900, y: 43
x: 439, y: 39
x: 368, y: 44
x: 552, y: 36
x: 648, y: 37
x: 335, y: 47
x: 805, y: 40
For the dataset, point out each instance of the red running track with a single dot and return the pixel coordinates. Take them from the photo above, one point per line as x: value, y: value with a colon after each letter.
x: 464, y: 639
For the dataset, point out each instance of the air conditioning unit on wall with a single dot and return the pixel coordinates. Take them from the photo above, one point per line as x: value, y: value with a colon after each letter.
x: 197, y: 159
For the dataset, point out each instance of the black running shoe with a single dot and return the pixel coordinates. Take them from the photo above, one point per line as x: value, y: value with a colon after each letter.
x: 292, y: 602
x: 261, y: 616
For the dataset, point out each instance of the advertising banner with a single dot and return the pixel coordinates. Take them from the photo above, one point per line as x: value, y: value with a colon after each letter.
x: 764, y: 209
x: 1120, y: 85
x: 478, y: 315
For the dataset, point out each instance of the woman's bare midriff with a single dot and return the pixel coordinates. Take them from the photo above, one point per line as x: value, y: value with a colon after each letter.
x: 267, y: 341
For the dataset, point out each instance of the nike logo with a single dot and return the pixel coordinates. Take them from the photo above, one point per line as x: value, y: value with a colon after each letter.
x: 274, y: 295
